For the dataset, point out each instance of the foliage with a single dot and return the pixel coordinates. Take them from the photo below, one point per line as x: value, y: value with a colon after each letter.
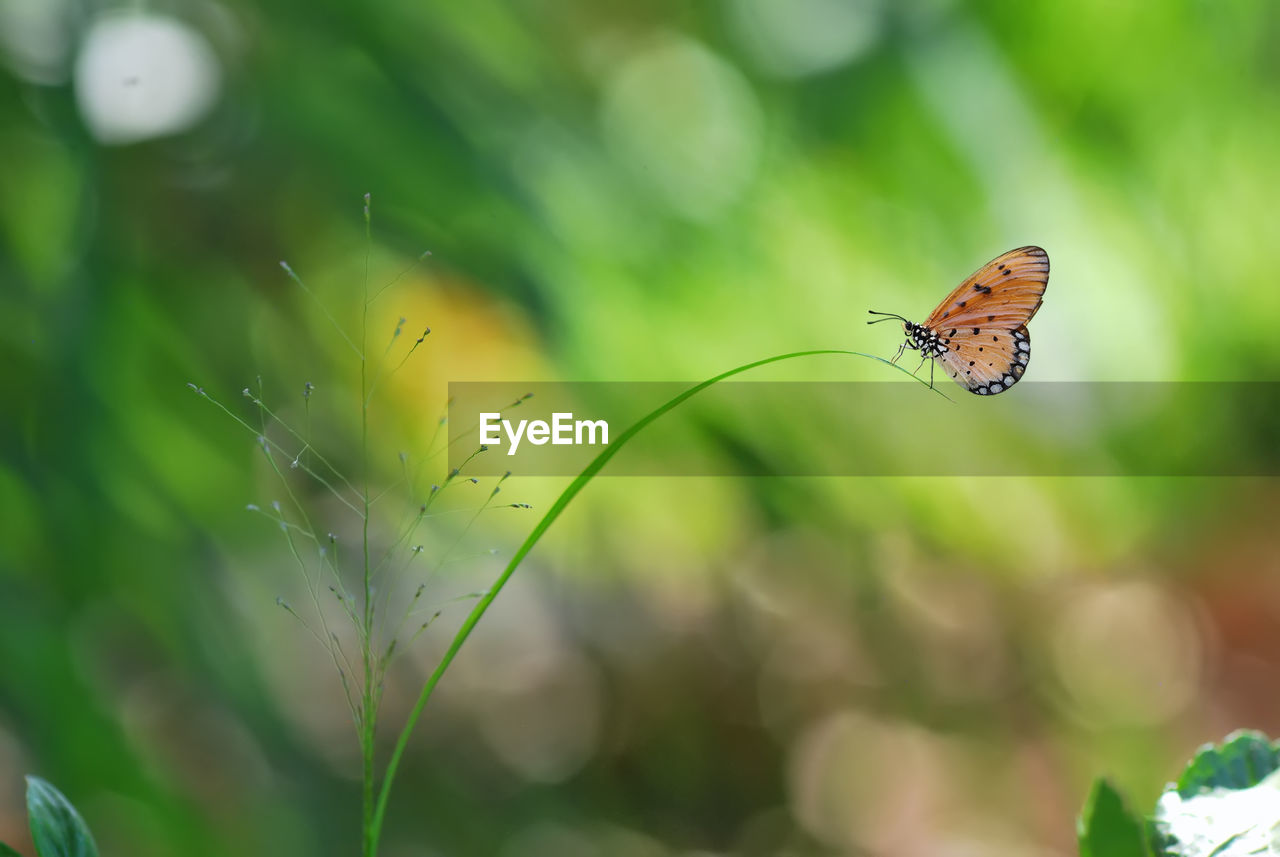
x: 56, y: 828
x: 1225, y: 804
x: 630, y: 192
x: 1107, y: 827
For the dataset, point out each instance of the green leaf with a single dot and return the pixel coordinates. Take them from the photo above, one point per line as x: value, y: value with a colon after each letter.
x: 6, y: 851
x: 1107, y: 827
x: 56, y: 828
x: 1244, y: 760
x: 1225, y: 804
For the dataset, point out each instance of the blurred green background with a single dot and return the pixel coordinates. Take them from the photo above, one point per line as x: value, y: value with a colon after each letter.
x: 623, y: 191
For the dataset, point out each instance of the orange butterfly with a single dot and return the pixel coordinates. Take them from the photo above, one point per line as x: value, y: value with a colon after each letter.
x: 980, y: 331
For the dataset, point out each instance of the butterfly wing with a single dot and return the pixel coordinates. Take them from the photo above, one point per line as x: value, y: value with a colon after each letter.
x: 990, y: 362
x: 1003, y: 294
x: 983, y: 322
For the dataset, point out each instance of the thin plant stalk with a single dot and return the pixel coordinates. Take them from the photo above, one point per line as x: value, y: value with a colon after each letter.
x: 369, y: 722
x: 375, y: 796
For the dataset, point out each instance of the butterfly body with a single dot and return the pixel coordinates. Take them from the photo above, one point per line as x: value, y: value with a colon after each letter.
x: 979, y: 332
x: 928, y: 342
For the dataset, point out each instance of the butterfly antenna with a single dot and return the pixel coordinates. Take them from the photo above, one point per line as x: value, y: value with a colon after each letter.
x: 887, y: 316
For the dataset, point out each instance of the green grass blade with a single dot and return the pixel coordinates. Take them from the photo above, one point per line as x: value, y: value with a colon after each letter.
x: 597, y: 464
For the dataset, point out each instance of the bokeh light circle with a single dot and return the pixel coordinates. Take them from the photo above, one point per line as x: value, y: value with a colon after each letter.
x: 797, y: 38
x: 687, y: 124
x: 140, y: 76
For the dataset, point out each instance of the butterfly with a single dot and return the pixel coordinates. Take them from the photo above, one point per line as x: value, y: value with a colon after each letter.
x: 979, y: 332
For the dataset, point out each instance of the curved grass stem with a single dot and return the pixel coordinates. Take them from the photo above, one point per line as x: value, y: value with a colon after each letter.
x: 373, y: 833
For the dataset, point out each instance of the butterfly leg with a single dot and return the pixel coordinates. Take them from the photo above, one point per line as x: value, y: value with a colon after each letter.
x: 901, y: 348
x: 922, y: 359
x: 932, y: 364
